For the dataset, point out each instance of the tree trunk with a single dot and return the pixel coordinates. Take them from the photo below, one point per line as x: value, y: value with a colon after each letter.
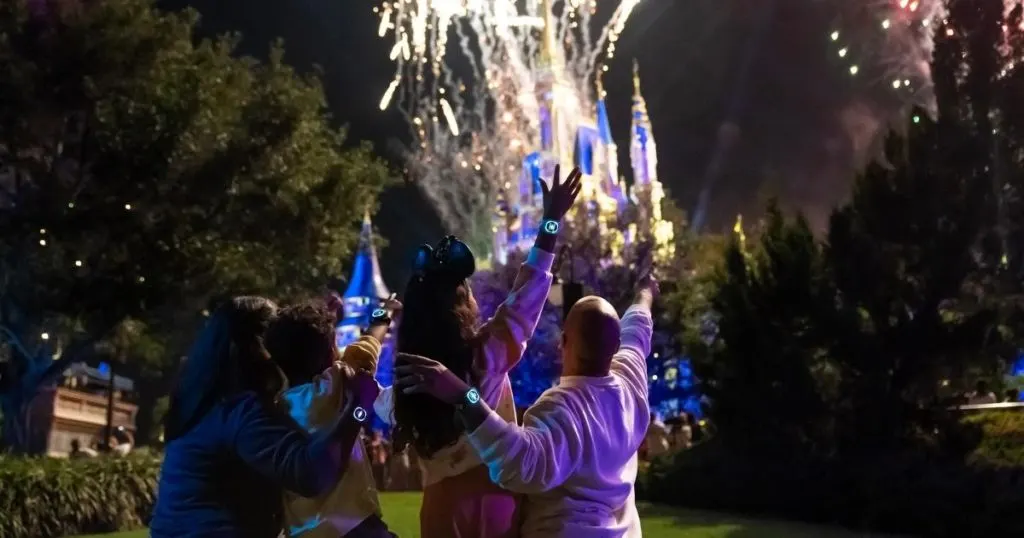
x: 14, y: 435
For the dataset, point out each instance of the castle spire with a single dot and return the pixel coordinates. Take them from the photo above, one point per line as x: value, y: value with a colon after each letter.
x: 636, y: 78
x: 643, y: 149
x: 547, y: 47
x: 366, y: 280
x: 365, y: 289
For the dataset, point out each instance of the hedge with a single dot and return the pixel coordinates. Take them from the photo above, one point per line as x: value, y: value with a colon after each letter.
x: 44, y: 497
x: 1002, y: 441
x: 914, y: 493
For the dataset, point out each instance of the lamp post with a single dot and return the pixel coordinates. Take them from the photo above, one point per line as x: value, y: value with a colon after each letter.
x: 111, y: 391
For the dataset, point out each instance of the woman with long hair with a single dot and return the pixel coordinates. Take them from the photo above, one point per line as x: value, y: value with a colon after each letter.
x: 440, y: 321
x: 229, y: 452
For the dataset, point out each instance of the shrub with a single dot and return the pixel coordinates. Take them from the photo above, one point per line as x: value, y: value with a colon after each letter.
x: 42, y: 497
x: 1002, y: 442
x: 913, y: 492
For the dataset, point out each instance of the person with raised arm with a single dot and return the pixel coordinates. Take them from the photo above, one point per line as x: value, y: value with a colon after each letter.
x: 575, y: 456
x: 440, y: 320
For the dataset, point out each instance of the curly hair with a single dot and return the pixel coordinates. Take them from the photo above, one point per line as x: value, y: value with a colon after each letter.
x: 438, y: 321
x: 228, y: 357
x: 302, y: 340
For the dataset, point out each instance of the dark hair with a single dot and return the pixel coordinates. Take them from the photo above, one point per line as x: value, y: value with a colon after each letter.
x: 301, y: 340
x: 439, y: 319
x: 228, y: 357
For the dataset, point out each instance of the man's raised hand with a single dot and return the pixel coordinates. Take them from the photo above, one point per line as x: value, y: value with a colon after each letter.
x: 646, y: 285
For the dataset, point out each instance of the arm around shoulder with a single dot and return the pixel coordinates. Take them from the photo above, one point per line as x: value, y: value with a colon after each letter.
x: 533, y: 458
x: 277, y: 449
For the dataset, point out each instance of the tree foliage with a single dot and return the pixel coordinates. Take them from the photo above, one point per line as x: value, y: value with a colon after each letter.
x: 761, y: 368
x: 146, y: 174
x: 914, y: 292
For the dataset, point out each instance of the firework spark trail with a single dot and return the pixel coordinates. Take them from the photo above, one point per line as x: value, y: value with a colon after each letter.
x: 888, y: 43
x: 885, y: 46
x: 468, y: 155
x: 472, y: 104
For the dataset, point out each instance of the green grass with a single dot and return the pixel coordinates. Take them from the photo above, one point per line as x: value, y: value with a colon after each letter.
x: 401, y: 511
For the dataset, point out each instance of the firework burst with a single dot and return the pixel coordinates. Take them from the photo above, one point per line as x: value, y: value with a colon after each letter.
x: 467, y: 78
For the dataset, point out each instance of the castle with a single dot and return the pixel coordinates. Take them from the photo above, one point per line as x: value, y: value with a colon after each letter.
x: 622, y: 215
x: 587, y: 143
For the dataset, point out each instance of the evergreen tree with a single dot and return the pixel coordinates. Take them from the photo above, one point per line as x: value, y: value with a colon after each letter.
x: 764, y: 371
x: 914, y: 293
x: 903, y: 261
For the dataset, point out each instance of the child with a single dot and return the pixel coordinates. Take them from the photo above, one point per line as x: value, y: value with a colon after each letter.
x: 302, y: 343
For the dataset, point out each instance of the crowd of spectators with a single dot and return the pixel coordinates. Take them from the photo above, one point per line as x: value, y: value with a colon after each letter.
x: 392, y: 471
x: 677, y: 433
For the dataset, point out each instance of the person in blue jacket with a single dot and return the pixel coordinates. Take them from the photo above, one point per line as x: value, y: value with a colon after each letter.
x: 230, y: 453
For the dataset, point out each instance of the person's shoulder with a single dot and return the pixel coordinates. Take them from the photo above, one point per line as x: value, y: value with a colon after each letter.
x: 243, y: 406
x: 557, y: 400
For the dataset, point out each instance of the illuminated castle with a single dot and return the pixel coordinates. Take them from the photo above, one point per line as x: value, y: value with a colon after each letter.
x: 572, y: 136
x: 364, y: 293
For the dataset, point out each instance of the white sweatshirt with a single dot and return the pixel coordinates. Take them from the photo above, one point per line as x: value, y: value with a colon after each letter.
x: 575, y: 455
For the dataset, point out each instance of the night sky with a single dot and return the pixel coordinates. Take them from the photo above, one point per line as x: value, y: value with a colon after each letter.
x: 755, y: 73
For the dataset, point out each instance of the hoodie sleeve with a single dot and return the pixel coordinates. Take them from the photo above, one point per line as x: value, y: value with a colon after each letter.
x: 533, y: 458
x: 278, y: 450
x: 630, y: 363
x: 363, y: 354
x: 505, y: 335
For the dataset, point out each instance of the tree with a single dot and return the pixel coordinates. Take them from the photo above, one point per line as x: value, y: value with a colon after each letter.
x: 926, y: 256
x: 911, y: 309
x: 917, y: 289
x: 146, y: 175
x: 763, y: 370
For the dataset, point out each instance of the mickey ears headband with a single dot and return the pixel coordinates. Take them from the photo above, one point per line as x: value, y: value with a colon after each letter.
x: 451, y: 260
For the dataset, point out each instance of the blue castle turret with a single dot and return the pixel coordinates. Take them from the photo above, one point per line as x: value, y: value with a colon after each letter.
x: 364, y: 293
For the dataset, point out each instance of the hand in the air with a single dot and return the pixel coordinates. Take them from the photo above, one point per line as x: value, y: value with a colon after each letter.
x: 392, y: 304
x: 560, y: 197
x: 646, y: 283
x: 420, y: 375
x: 334, y: 303
x: 647, y: 290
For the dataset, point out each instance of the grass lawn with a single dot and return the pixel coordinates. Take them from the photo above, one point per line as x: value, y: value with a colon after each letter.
x: 401, y: 511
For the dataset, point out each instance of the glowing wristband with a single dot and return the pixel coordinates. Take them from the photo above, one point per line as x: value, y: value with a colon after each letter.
x: 380, y: 317
x: 472, y: 397
x: 360, y: 414
x: 550, y: 227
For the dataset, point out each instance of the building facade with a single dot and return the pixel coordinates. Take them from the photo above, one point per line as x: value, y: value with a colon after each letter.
x: 76, y: 409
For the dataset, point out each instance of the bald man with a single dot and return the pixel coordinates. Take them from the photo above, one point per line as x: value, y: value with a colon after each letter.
x: 575, y: 456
